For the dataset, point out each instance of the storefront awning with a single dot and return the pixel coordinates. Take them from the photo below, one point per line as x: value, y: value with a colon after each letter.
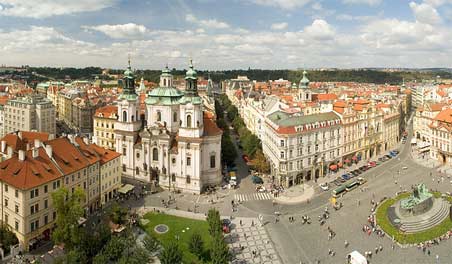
x: 340, y: 164
x: 347, y: 161
x: 126, y: 188
x: 333, y: 167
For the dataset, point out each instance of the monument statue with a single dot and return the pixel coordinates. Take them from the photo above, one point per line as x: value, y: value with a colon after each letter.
x: 419, y: 201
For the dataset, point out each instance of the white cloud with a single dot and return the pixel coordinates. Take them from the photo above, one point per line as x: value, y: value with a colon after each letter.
x: 283, y: 4
x: 320, y: 30
x: 124, y: 31
x: 279, y: 26
x: 425, y: 13
x: 208, y: 23
x: 48, y: 8
x: 362, y: 2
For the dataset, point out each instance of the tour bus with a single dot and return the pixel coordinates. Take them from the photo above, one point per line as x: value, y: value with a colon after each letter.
x: 351, y: 186
x: 339, y: 190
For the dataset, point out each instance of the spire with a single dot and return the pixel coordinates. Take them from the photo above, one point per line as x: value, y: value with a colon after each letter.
x: 191, y: 81
x: 304, y: 82
x: 128, y: 90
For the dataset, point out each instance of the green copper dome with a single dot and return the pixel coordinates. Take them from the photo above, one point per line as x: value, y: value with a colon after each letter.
x: 164, y: 96
x: 191, y: 73
x: 304, y: 82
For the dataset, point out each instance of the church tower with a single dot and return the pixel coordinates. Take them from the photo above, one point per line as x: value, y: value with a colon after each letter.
x: 304, y: 93
x: 191, y: 111
x: 129, y: 124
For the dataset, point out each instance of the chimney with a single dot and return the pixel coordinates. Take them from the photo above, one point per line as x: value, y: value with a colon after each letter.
x: 21, y: 155
x: 35, y: 152
x: 86, y: 140
x: 49, y: 150
x: 37, y: 143
x: 3, y: 146
x: 9, y: 151
x: 71, y: 138
x: 19, y: 134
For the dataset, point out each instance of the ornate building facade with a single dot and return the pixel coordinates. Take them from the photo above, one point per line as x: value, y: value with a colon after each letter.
x: 178, y: 146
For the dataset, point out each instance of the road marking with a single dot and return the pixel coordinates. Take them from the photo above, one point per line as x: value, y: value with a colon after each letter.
x: 252, y: 196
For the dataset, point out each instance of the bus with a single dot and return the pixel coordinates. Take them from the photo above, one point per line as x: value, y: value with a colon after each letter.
x: 351, y: 186
x: 339, y: 190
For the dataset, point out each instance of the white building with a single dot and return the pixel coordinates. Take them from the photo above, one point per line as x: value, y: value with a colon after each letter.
x: 179, y: 146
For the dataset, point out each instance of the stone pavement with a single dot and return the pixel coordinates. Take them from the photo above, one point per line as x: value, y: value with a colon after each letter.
x: 424, y: 160
x: 246, y: 238
x: 296, y: 194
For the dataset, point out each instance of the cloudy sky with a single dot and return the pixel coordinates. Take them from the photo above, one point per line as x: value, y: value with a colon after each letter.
x: 227, y: 34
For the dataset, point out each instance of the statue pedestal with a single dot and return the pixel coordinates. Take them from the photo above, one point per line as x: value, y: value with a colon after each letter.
x: 417, y: 209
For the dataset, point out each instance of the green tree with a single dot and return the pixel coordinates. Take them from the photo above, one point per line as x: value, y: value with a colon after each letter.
x: 7, y: 238
x: 171, y: 253
x: 196, y: 244
x: 69, y: 209
x: 137, y: 255
x: 100, y: 259
x: 220, y: 250
x: 151, y: 244
x: 118, y: 214
x: 214, y: 221
x: 228, y: 150
x: 115, y: 247
x: 260, y: 162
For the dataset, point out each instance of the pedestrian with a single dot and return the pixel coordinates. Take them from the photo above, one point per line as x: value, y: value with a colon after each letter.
x: 393, y: 247
x: 428, y: 252
x: 376, y: 250
x: 346, y: 243
x: 241, y: 222
x: 252, y: 222
x: 244, y: 234
x: 359, y: 202
x: 380, y: 248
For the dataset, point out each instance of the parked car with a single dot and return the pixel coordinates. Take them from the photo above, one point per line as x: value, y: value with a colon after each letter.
x: 340, y: 179
x: 345, y: 176
x: 324, y: 186
x: 356, y: 172
x: 372, y: 164
x: 388, y: 156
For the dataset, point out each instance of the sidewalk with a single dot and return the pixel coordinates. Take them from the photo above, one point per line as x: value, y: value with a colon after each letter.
x: 296, y: 194
x: 427, y: 161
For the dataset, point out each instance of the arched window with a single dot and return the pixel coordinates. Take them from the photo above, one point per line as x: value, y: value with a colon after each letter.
x: 155, y: 154
x: 133, y: 118
x: 175, y: 117
x: 137, y: 170
x: 159, y: 116
x: 124, y: 116
x: 164, y: 82
x: 188, y: 120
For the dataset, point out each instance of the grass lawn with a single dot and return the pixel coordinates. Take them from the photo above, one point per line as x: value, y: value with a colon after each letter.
x: 385, y: 224
x: 176, y: 225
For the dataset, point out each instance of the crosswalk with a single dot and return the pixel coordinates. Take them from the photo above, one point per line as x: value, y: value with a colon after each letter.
x: 253, y: 197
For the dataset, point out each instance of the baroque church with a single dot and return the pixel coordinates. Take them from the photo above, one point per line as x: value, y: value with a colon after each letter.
x: 178, y: 145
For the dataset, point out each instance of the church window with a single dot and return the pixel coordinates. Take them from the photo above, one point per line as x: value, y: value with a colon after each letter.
x: 164, y: 82
x: 124, y: 116
x: 188, y: 180
x: 159, y: 116
x: 188, y: 161
x: 212, y: 161
x: 173, y: 177
x: 124, y: 151
x: 188, y: 120
x: 155, y: 154
x: 173, y: 160
x: 124, y: 167
x: 138, y: 155
x: 188, y: 145
x: 133, y: 118
x: 137, y: 170
x: 174, y: 117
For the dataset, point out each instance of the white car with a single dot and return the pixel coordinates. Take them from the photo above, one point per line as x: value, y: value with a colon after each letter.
x: 324, y: 186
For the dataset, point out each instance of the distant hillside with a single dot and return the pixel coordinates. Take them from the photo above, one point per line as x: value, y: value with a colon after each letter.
x: 365, y: 75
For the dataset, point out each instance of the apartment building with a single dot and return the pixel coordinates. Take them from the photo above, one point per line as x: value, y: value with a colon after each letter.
x: 33, y: 112
x: 104, y: 125
x: 29, y: 176
x: 301, y: 148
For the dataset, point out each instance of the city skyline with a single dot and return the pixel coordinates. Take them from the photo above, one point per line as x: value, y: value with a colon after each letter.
x: 267, y: 34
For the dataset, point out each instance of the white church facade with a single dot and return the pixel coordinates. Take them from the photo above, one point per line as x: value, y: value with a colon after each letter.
x: 179, y: 145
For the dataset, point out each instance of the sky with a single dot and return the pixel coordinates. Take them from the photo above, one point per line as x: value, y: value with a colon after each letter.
x: 226, y: 34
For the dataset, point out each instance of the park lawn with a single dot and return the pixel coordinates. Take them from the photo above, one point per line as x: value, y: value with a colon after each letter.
x: 391, y: 231
x: 176, y: 225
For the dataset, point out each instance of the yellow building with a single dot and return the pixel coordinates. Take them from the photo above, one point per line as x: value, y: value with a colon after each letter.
x: 104, y: 126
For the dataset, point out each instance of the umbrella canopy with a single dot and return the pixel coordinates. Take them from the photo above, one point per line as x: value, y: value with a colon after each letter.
x: 340, y: 164
x: 347, y: 161
x: 333, y: 167
x: 354, y: 158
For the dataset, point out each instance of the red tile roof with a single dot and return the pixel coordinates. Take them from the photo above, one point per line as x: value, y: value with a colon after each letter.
x: 17, y: 142
x: 67, y: 156
x: 106, y: 111
x: 324, y: 97
x: 31, y: 172
x: 444, y: 116
x: 105, y: 155
x: 210, y: 128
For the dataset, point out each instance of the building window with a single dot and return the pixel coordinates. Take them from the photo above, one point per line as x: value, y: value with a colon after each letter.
x: 34, y: 193
x: 159, y: 116
x: 17, y: 193
x: 282, y: 143
x: 45, y: 188
x: 174, y: 117
x: 6, y: 202
x: 188, y: 120
x: 155, y: 154
x: 46, y: 204
x: 188, y: 161
x: 137, y: 170
x: 6, y: 218
x: 138, y: 155
x: 124, y: 116
x: 6, y: 187
x: 282, y: 154
x: 16, y: 225
x: 212, y: 161
x: 46, y: 219
x: 124, y: 151
x: 188, y: 180
x: 124, y: 168
x: 173, y: 177
x: 173, y: 160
